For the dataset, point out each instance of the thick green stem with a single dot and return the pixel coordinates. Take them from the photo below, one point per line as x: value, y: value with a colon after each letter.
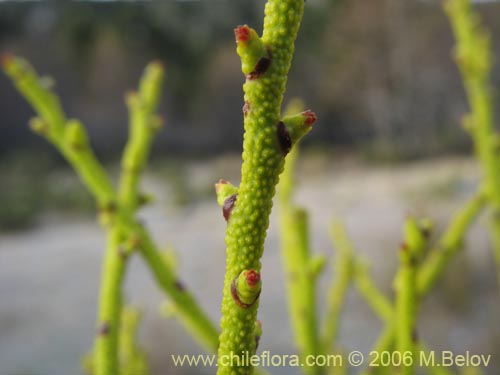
x: 266, y: 141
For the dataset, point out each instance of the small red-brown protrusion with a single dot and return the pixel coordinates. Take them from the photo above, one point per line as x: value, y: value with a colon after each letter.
x: 284, y: 138
x: 134, y: 242
x: 252, y: 278
x: 246, y: 109
x: 260, y: 68
x: 228, y: 206
x: 104, y: 329
x: 242, y: 33
x: 179, y: 285
x: 310, y: 117
x: 122, y: 253
x: 258, y: 329
x: 219, y: 184
x: 403, y: 247
x: 6, y: 59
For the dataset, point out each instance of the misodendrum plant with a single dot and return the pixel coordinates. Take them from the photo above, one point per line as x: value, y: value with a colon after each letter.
x: 268, y: 138
x: 269, y: 141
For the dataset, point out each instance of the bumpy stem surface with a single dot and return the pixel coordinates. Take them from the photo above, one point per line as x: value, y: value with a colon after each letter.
x: 265, y: 62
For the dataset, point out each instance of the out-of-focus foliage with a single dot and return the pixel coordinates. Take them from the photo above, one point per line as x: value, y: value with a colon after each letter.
x: 379, y: 72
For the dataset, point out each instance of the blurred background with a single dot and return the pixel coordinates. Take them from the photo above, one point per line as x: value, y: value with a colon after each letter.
x: 388, y: 142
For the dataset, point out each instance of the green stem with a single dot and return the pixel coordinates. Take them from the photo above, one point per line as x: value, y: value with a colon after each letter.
x: 117, y: 210
x: 300, y: 267
x: 342, y: 274
x: 187, y: 310
x: 372, y: 295
x: 474, y: 59
x: 449, y: 243
x: 266, y: 141
x: 405, y: 310
x: 110, y: 307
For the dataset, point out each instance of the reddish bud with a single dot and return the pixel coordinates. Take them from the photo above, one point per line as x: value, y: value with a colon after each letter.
x: 242, y: 33
x: 310, y: 117
x: 252, y: 277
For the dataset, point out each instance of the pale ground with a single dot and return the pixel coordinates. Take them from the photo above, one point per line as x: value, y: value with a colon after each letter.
x: 49, y: 275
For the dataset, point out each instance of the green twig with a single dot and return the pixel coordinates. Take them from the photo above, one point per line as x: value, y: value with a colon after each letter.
x: 406, y: 292
x: 474, y: 58
x: 117, y: 211
x: 265, y: 62
x: 300, y: 267
x: 342, y: 274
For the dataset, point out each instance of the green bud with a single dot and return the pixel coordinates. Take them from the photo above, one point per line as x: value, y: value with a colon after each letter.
x: 224, y: 189
x: 39, y: 126
x: 151, y: 83
x: 75, y: 135
x: 246, y: 288
x: 251, y: 49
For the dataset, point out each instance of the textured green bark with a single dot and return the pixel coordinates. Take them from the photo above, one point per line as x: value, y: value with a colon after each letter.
x: 263, y: 160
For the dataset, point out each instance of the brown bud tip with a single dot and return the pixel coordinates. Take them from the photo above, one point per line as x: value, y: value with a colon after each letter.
x: 403, y: 247
x: 6, y: 58
x: 242, y: 33
x: 122, y: 253
x: 179, y: 285
x: 103, y: 329
x: 252, y: 277
x: 228, y: 206
x: 219, y: 184
x: 246, y: 109
x: 310, y: 117
x: 284, y: 139
x: 414, y: 335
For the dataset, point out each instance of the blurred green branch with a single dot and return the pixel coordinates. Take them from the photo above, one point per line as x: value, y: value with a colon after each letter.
x: 474, y: 59
x: 117, y: 210
x: 301, y: 268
